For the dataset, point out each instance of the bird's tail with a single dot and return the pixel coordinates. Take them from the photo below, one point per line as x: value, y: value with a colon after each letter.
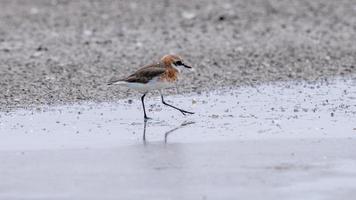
x: 117, y: 82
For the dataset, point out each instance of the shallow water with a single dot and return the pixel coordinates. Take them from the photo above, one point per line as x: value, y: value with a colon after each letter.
x: 278, y: 169
x: 279, y: 110
x: 287, y: 140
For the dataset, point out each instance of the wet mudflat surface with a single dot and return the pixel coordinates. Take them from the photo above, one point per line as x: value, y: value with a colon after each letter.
x: 287, y: 140
x: 280, y: 110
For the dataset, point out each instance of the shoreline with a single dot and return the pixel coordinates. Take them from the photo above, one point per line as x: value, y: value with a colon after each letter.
x: 171, y: 92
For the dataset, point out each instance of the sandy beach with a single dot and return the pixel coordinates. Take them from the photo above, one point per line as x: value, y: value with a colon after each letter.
x: 55, y: 52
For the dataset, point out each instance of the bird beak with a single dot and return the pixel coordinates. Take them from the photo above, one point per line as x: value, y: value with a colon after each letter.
x: 191, y: 69
x: 187, y: 66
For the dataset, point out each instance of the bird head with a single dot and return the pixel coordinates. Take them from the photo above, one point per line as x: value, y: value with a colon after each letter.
x: 175, y: 61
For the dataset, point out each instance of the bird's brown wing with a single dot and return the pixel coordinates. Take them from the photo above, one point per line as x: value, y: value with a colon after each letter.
x: 143, y: 75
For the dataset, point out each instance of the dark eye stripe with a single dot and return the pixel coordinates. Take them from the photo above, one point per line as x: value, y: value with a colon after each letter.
x: 178, y: 63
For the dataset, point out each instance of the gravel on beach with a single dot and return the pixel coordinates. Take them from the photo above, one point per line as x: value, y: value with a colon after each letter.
x: 61, y: 51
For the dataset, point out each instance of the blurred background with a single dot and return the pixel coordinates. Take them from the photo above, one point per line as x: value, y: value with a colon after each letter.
x: 55, y: 51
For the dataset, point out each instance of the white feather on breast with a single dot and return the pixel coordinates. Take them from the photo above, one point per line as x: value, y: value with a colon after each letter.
x: 154, y: 84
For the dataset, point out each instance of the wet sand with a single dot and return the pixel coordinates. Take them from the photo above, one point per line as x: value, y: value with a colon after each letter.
x: 271, y: 141
x: 300, y: 110
x: 55, y: 52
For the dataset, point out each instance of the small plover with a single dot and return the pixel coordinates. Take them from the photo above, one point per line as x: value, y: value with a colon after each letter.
x: 157, y: 76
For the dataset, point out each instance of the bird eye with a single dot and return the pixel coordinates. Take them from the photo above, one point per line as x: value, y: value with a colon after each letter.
x: 178, y: 62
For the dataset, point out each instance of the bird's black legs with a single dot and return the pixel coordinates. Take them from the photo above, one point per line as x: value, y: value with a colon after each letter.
x: 184, y: 112
x: 143, y: 105
x: 181, y: 110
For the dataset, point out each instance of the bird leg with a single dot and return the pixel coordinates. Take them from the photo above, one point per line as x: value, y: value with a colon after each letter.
x: 181, y: 110
x: 143, y: 105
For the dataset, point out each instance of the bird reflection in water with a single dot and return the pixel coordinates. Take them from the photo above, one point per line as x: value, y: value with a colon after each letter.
x: 184, y: 124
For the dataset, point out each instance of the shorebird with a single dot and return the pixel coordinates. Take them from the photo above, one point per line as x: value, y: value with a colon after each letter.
x: 157, y: 76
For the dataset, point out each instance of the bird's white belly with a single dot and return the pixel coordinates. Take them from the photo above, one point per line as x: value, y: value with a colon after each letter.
x: 151, y: 85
